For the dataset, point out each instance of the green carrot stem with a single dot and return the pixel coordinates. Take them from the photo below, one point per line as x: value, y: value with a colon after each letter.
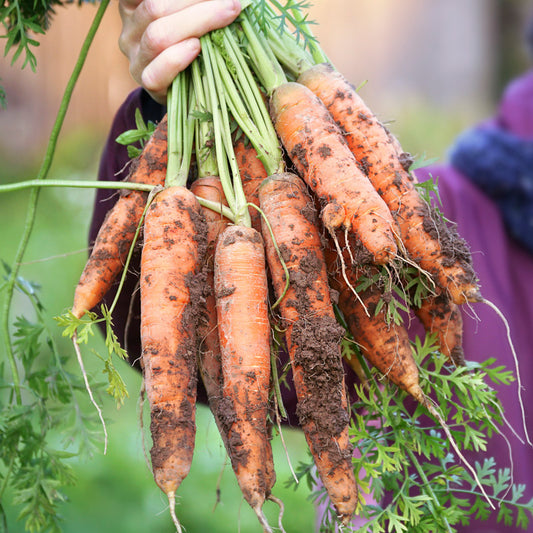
x: 205, y: 157
x: 173, y: 130
x: 294, y: 58
x: 34, y: 197
x: 427, y: 486
x: 218, y: 207
x: 180, y: 131
x: 38, y: 183
x: 267, y: 149
x: 266, y: 66
x: 223, y: 138
x: 212, y: 97
x: 292, y: 10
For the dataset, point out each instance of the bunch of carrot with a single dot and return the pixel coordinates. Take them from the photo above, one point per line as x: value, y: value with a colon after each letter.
x: 312, y: 245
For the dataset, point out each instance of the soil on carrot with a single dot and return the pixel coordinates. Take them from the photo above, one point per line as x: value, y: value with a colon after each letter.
x: 454, y: 248
x: 317, y: 353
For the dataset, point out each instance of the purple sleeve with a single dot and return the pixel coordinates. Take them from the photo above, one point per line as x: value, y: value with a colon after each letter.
x: 505, y: 272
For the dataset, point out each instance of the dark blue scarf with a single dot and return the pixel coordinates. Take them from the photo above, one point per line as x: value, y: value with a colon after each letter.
x: 501, y: 165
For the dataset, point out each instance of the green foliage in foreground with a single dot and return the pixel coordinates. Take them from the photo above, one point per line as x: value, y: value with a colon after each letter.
x: 405, y: 460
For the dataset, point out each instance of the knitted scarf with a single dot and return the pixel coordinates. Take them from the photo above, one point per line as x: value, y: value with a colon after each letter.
x: 501, y: 165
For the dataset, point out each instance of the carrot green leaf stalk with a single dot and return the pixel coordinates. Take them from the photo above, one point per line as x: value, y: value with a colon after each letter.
x: 34, y: 195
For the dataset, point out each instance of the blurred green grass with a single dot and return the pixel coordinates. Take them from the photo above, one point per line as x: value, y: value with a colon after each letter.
x: 116, y: 492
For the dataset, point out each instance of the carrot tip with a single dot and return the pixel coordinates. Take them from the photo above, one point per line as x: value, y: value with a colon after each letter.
x: 172, y: 506
x: 262, y: 520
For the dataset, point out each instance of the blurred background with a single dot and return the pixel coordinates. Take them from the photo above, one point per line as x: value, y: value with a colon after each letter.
x: 431, y: 69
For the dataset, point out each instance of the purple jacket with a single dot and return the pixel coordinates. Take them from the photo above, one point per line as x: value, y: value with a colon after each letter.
x: 505, y: 269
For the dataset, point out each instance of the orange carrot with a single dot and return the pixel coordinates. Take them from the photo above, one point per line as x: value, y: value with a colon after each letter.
x: 428, y: 240
x: 116, y: 234
x: 244, y: 333
x: 312, y: 334
x: 209, y: 362
x: 174, y: 243
x: 441, y: 316
x: 317, y: 149
x: 252, y: 174
x: 383, y: 343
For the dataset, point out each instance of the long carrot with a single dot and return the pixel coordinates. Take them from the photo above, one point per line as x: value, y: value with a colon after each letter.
x: 116, y: 234
x: 317, y: 148
x: 174, y: 242
x: 209, y: 361
x: 312, y: 333
x: 244, y: 333
x: 428, y: 240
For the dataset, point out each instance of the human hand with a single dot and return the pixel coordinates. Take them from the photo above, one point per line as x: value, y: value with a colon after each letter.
x: 160, y: 38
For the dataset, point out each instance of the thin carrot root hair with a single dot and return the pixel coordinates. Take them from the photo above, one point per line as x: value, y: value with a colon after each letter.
x: 495, y: 308
x: 281, y: 506
x: 88, y: 388
x: 433, y: 411
x: 142, y: 399
x: 171, y: 495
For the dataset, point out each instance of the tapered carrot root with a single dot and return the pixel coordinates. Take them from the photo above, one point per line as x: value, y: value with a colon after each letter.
x: 384, y: 344
x: 252, y: 174
x: 428, y: 240
x: 209, y: 361
x: 174, y: 243
x: 317, y: 149
x: 116, y: 234
x: 441, y: 316
x: 312, y: 334
x: 244, y: 332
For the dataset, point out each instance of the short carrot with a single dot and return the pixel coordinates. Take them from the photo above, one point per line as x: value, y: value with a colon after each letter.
x: 241, y: 294
x: 441, y: 316
x: 383, y: 343
x: 312, y: 333
x: 428, y: 240
x: 174, y: 243
x: 319, y: 152
x: 116, y: 234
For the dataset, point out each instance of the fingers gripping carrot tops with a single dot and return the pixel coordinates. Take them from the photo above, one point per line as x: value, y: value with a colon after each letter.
x: 174, y: 243
x: 244, y: 332
x: 312, y: 333
x: 117, y: 232
x: 316, y: 147
x: 428, y: 240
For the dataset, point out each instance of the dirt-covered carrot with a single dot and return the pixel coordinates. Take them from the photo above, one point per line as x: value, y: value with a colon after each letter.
x: 174, y: 243
x: 383, y: 343
x: 317, y: 148
x: 244, y: 332
x: 116, y: 234
x: 312, y: 333
x: 428, y: 239
x: 441, y: 316
x: 209, y: 362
